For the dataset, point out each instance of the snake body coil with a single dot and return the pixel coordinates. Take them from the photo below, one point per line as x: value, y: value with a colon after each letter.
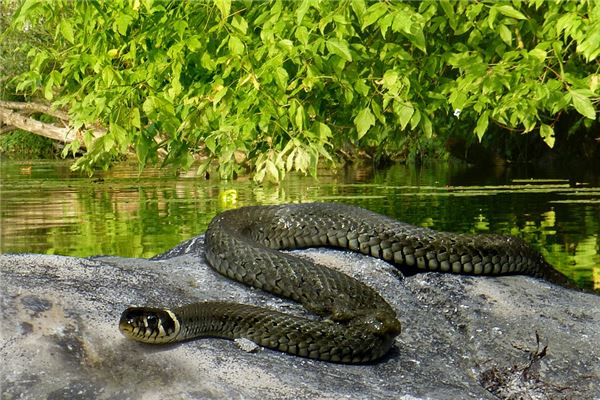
x: 359, y: 325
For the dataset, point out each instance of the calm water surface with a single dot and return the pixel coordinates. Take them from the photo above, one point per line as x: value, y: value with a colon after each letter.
x: 45, y: 208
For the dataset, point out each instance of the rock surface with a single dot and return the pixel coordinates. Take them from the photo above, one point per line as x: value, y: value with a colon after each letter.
x: 463, y: 337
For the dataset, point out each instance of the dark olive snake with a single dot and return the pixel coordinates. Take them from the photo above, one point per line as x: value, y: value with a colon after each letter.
x: 358, y: 325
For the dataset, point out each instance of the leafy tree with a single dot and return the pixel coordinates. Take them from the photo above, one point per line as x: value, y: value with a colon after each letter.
x: 274, y: 86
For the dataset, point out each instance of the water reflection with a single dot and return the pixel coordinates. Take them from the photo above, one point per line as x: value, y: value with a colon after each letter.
x: 47, y: 209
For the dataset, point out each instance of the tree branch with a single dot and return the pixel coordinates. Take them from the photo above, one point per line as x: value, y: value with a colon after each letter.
x: 35, y: 107
x: 16, y: 120
x: 10, y: 117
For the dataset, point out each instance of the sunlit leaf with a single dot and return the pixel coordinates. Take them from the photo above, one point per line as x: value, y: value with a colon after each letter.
x: 339, y: 48
x: 236, y: 45
x: 509, y: 11
x: 427, y: 126
x: 363, y: 121
x: 359, y: 7
x: 505, y: 34
x: 539, y: 54
x: 240, y: 24
x: 299, y: 118
x: 122, y: 23
x: 221, y: 91
x: 302, y: 34
x: 324, y: 131
x: 583, y: 104
x: 482, y: 125
x: 547, y: 133
x: 374, y: 12
x: 281, y: 77
x: 135, y: 118
x: 66, y: 29
x: 404, y: 111
x: 48, y: 93
x: 224, y: 6
x: 272, y: 170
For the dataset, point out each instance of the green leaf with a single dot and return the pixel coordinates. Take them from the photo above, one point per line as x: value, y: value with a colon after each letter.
x: 385, y: 23
x: 505, y: 34
x: 376, y: 108
x: 107, y: 141
x: 405, y: 112
x: 416, y: 118
x: 482, y: 125
x: 323, y: 131
x: 193, y: 43
x: 122, y: 23
x: 135, y: 118
x: 339, y: 48
x: 359, y: 7
x: 287, y: 45
x: 207, y: 62
x: 582, y: 103
x: 363, y: 121
x: 361, y: 87
x: 149, y: 105
x: 108, y: 75
x: 224, y: 6
x: 299, y: 118
x: 473, y: 10
x: 66, y: 29
x: 449, y: 11
x: 302, y: 160
x: 203, y: 167
x: 390, y: 78
x: 302, y: 35
x: 427, y: 126
x: 401, y: 24
x: 48, y: 94
x: 272, y: 171
x: 119, y: 134
x: 302, y: 9
x: 539, y: 54
x: 547, y: 133
x: 590, y: 45
x: 289, y: 162
x: 376, y: 11
x: 236, y: 46
x: 221, y: 91
x: 240, y: 24
x: 509, y: 11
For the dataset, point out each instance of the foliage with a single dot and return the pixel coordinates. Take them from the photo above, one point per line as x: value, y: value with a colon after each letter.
x: 276, y: 86
x: 12, y: 61
x: 19, y: 144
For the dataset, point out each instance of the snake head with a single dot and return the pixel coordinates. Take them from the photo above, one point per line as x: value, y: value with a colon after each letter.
x: 149, y: 325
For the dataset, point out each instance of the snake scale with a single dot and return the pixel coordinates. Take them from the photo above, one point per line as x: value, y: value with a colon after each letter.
x: 357, y: 324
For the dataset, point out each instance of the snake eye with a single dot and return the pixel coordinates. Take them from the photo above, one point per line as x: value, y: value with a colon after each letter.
x: 151, y: 321
x: 134, y: 317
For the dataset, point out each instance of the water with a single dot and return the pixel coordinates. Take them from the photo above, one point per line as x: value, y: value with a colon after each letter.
x: 45, y: 208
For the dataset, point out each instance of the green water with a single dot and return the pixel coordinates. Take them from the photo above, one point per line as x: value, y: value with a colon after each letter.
x: 45, y: 208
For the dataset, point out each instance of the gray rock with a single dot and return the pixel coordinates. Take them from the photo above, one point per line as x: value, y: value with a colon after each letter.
x: 463, y: 337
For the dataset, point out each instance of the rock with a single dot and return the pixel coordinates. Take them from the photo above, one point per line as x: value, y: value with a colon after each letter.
x: 463, y: 337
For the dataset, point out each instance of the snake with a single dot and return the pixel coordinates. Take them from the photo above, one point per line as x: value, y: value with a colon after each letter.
x: 353, y: 323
